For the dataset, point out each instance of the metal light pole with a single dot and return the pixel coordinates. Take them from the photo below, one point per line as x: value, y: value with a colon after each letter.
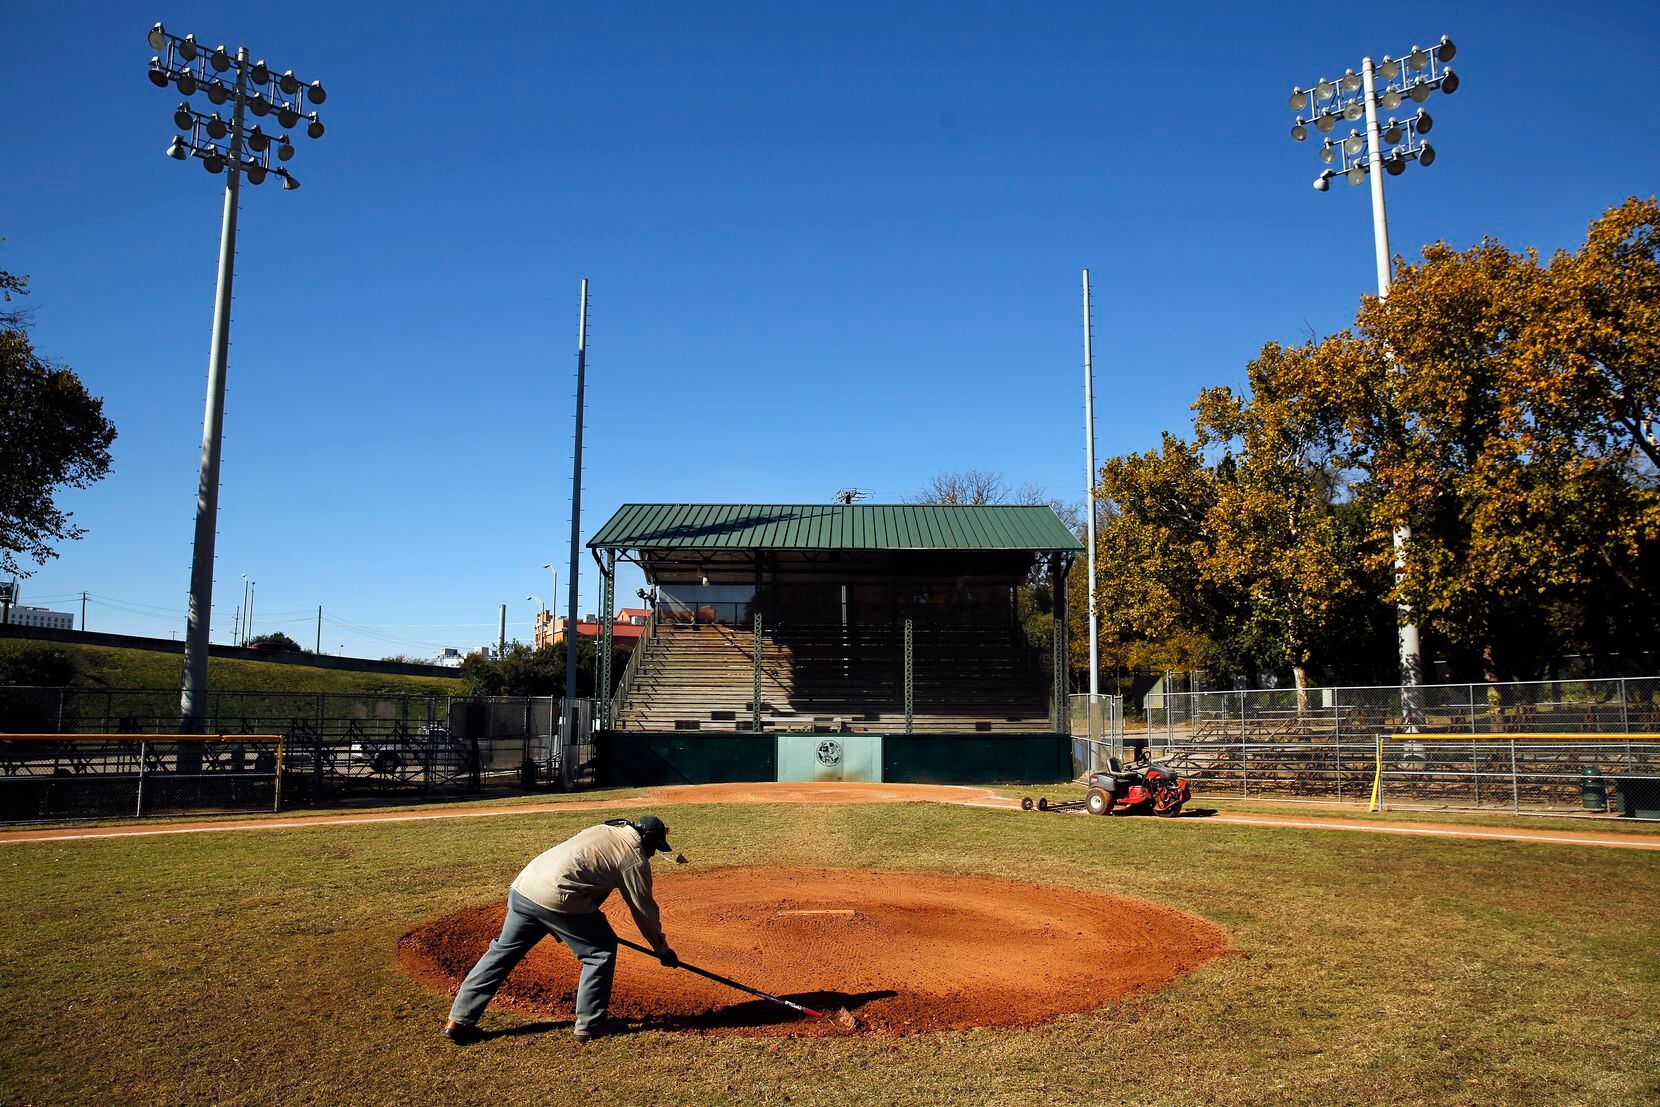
x: 233, y: 149
x: 1353, y: 97
x: 1089, y: 509
x: 243, y: 610
x: 568, y: 724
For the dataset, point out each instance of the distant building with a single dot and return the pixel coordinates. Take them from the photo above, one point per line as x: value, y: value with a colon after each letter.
x: 629, y: 627
x: 41, y: 617
x: 449, y: 657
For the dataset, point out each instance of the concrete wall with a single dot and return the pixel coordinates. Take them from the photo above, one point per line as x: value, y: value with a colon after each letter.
x: 167, y: 645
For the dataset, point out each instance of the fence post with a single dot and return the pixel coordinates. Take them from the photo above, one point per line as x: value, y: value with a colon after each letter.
x: 1515, y: 789
x: 1625, y: 715
x: 138, y: 811
x: 276, y: 799
x: 1244, y: 755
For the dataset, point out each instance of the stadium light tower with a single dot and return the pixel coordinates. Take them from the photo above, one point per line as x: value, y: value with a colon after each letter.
x: 230, y: 147
x: 1385, y: 148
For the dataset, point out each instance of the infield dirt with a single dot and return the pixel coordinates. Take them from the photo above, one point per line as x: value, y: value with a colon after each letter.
x: 905, y: 952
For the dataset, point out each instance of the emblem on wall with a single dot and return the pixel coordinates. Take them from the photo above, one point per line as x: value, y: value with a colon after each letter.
x: 829, y: 752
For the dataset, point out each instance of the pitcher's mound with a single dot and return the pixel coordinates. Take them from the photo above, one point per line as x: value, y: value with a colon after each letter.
x: 905, y: 952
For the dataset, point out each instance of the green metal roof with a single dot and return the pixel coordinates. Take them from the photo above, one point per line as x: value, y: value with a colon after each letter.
x: 834, y: 527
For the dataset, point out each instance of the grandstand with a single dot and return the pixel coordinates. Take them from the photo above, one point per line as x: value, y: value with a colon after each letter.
x: 781, y: 621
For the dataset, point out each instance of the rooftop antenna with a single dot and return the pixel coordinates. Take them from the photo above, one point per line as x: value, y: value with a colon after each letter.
x: 852, y: 495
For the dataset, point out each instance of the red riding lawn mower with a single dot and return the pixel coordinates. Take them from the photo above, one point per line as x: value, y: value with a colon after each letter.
x: 1136, y: 788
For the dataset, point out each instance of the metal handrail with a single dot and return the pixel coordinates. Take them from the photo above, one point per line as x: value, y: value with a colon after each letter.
x: 619, y: 701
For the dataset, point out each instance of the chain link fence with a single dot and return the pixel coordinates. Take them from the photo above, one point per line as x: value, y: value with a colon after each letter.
x: 101, y: 776
x: 335, y: 747
x: 1096, y: 724
x: 1324, y: 742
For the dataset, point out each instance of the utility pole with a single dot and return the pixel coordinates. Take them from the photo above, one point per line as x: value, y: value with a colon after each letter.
x: 83, y: 612
x: 248, y: 616
x: 236, y: 627
x: 568, y: 723
x: 1089, y: 509
x: 319, y: 628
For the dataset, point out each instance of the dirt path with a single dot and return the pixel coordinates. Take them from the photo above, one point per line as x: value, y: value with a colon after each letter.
x: 834, y: 793
x: 906, y: 952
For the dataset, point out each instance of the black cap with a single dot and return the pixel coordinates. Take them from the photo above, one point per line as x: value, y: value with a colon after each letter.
x: 654, y: 834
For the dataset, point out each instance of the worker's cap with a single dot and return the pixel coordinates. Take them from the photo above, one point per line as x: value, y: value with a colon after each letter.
x: 654, y: 834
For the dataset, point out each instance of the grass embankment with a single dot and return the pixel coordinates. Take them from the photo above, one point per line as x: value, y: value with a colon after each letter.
x: 259, y: 968
x: 114, y: 667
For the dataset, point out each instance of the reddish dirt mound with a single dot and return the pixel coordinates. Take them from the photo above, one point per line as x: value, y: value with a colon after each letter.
x: 905, y: 952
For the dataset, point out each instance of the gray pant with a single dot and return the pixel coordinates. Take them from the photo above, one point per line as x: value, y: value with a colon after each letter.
x: 589, y: 936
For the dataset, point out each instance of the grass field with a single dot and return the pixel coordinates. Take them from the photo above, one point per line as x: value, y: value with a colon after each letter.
x: 259, y: 968
x: 112, y: 667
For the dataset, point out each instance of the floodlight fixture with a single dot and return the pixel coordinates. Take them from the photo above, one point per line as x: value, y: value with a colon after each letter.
x: 1388, y: 85
x: 239, y: 151
x: 314, y: 129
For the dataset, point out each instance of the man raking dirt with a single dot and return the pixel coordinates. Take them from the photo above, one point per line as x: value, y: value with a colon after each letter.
x: 560, y: 893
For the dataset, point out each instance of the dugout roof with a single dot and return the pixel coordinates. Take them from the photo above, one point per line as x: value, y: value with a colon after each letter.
x: 734, y: 528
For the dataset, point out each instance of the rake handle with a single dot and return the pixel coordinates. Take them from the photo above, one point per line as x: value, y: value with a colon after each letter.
x: 717, y: 978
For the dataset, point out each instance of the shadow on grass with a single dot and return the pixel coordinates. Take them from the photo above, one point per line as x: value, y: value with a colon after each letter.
x: 751, y: 1014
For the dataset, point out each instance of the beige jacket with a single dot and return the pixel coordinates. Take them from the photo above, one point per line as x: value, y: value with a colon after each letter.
x: 579, y: 874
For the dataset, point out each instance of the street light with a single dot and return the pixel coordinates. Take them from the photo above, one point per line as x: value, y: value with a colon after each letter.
x: 222, y: 148
x: 1413, y: 77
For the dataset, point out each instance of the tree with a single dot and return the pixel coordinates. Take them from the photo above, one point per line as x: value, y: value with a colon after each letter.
x: 53, y: 435
x: 972, y: 487
x: 275, y: 642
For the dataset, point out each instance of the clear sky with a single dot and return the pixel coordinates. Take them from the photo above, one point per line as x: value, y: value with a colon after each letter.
x: 830, y: 244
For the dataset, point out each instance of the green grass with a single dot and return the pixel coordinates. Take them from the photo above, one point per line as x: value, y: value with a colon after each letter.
x: 259, y: 968
x: 113, y: 667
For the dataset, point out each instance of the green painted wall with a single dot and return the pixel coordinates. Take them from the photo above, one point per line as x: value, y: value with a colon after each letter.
x: 976, y: 758
x: 631, y: 758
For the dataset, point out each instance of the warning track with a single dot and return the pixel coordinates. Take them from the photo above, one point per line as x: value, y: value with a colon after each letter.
x: 831, y: 793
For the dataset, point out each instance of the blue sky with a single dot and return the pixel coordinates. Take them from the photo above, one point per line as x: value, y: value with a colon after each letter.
x: 829, y: 244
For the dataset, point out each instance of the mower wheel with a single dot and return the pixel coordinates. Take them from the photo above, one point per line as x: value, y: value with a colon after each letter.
x: 1098, y: 802
x: 1169, y: 812
x: 1026, y: 803
x: 1043, y: 803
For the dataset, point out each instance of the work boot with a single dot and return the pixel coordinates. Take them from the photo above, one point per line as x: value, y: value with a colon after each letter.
x: 462, y: 1033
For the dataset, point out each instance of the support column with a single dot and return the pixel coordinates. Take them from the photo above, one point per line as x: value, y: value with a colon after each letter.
x: 1058, y: 566
x: 910, y: 702
x: 602, y: 645
x: 756, y: 705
